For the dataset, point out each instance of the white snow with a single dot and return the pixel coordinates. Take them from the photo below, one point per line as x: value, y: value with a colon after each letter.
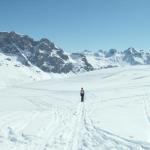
x: 98, y: 60
x: 48, y: 115
x: 12, y: 72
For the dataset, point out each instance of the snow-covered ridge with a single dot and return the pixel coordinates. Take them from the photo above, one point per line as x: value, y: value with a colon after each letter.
x: 114, y: 58
x: 45, y: 55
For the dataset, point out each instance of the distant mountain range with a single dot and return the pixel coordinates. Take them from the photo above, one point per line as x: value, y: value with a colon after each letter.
x: 45, y: 55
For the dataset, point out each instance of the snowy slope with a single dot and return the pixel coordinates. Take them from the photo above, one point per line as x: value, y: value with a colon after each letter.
x: 13, y: 72
x: 48, y: 115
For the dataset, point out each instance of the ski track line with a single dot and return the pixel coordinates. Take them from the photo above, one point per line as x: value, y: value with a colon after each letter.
x: 32, y: 116
x: 146, y: 110
x: 10, y: 120
x: 56, y: 137
x: 33, y: 143
x: 44, y: 132
x: 106, y: 140
x: 84, y: 136
x: 53, y: 139
x: 70, y: 145
x: 61, y: 138
x: 126, y: 98
x: 12, y: 136
x: 77, y: 128
x: 52, y: 130
x: 38, y: 106
x: 19, y: 122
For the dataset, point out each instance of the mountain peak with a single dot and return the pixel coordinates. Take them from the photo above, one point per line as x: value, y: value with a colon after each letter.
x: 49, y: 58
x: 131, y: 50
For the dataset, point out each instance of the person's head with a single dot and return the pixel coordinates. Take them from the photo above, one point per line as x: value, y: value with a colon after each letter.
x: 82, y: 88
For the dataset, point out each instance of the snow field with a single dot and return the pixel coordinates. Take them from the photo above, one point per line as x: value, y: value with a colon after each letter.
x: 48, y: 115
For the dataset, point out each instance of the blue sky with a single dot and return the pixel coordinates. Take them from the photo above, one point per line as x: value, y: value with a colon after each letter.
x: 76, y: 25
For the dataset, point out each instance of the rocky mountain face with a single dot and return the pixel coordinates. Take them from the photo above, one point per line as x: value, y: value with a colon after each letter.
x: 43, y: 54
x: 49, y: 58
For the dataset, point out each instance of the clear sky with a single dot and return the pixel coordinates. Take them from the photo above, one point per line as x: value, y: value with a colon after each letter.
x: 80, y: 24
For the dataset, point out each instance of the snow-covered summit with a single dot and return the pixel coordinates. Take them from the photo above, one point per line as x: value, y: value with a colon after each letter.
x: 45, y: 55
x: 114, y: 58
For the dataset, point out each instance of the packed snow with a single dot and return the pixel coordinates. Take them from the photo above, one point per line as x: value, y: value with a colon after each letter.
x: 48, y: 114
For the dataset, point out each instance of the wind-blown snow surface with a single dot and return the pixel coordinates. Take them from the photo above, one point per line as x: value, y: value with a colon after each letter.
x: 48, y: 115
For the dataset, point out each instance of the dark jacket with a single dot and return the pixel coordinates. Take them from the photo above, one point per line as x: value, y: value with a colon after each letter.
x: 82, y: 92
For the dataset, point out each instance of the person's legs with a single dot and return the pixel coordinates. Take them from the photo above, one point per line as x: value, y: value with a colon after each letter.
x: 82, y: 98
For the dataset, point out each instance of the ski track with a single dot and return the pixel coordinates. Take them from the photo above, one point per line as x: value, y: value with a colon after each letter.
x: 75, y: 131
x: 146, y: 107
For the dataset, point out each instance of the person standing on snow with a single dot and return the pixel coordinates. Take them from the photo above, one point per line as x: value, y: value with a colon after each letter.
x: 82, y: 94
